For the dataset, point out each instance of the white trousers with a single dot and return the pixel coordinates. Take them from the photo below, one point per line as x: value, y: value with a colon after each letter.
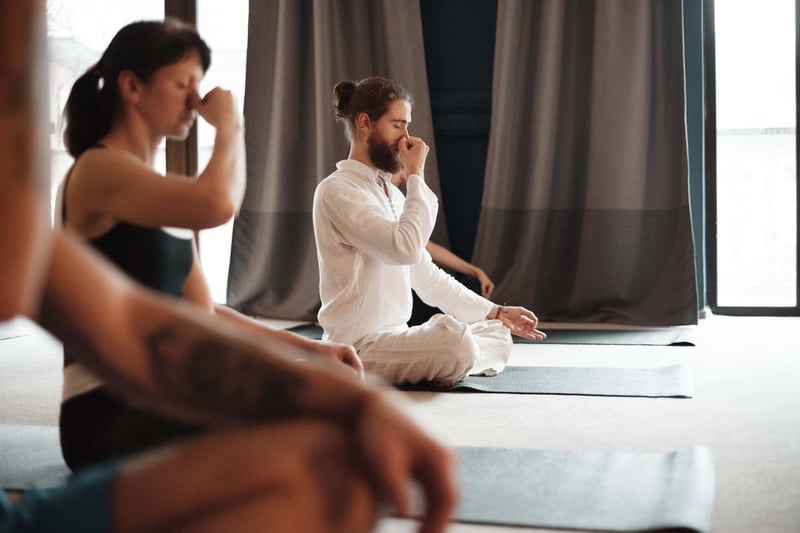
x: 442, y: 349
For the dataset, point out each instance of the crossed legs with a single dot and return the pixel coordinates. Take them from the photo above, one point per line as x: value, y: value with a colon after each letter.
x: 441, y: 350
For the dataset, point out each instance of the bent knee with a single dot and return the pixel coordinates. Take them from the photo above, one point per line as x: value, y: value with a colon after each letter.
x: 459, y: 354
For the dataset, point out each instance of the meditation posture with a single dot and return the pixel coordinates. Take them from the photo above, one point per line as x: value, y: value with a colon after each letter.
x: 145, y: 88
x: 371, y: 251
x: 290, y: 441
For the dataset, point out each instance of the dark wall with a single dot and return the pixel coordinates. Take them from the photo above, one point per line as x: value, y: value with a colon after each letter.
x: 459, y: 55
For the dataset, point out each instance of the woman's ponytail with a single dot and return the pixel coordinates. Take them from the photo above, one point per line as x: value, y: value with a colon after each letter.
x: 140, y: 47
x: 88, y: 112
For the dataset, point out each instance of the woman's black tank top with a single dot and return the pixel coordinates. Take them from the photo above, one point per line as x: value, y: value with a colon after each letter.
x: 151, y: 256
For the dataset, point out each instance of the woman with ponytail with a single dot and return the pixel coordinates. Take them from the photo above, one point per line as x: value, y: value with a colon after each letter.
x: 145, y: 88
x: 290, y: 445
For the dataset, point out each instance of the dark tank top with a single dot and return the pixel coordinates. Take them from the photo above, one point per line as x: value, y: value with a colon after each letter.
x: 151, y: 256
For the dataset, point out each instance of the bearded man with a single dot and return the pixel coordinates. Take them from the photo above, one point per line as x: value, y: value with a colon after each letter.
x: 371, y: 250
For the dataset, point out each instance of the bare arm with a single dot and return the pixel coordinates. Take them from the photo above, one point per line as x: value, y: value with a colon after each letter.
x: 226, y: 168
x: 335, y: 351
x: 24, y: 224
x: 195, y: 289
x: 447, y: 259
x: 181, y: 360
x: 177, y: 356
x: 113, y: 183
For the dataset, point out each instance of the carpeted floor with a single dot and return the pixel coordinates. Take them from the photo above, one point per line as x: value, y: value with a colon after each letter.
x: 745, y: 410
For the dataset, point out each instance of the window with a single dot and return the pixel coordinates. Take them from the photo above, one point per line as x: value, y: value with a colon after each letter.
x: 223, y: 25
x: 756, y: 157
x: 77, y: 34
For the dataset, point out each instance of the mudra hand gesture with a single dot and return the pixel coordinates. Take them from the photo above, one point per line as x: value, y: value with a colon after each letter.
x: 522, y: 322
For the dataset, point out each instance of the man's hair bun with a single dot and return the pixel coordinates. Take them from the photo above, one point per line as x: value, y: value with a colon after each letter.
x: 342, y: 93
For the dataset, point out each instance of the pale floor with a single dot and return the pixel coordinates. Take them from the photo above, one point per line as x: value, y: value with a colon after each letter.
x: 746, y: 410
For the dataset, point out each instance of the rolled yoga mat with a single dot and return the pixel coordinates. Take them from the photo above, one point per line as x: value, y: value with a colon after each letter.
x: 644, y: 337
x: 30, y: 456
x: 675, y: 381
x: 597, y: 491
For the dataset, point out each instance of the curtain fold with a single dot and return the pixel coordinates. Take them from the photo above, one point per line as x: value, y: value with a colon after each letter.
x: 297, y: 51
x: 585, y: 212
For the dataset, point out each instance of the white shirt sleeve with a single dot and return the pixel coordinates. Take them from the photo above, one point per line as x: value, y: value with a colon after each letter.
x: 363, y: 224
x: 438, y: 288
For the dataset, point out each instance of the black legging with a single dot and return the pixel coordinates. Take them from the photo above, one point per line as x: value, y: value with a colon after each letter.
x: 98, y: 426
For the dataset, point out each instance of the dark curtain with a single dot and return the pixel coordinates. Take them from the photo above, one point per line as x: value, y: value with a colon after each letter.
x: 585, y: 211
x: 297, y: 51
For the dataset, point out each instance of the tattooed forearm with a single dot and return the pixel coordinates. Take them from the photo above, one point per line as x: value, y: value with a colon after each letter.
x: 226, y: 378
x: 22, y: 50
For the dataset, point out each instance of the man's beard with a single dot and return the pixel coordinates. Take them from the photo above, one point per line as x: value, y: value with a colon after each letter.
x: 382, y: 155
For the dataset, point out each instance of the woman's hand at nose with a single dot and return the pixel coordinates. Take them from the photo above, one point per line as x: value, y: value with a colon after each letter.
x: 218, y: 108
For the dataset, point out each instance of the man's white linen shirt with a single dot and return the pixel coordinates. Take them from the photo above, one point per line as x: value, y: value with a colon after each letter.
x: 371, y: 253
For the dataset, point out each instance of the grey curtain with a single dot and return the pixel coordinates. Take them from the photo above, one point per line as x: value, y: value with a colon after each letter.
x: 297, y: 51
x: 585, y: 213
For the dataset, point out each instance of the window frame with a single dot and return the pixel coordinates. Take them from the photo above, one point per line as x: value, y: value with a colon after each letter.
x: 709, y: 53
x: 182, y: 155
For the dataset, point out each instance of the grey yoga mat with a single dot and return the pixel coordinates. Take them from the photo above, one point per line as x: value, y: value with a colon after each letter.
x: 598, y: 491
x: 30, y: 456
x: 645, y: 337
x: 539, y: 488
x: 675, y: 381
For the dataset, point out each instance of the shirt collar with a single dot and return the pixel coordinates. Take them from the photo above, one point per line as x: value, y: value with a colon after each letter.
x: 363, y: 171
